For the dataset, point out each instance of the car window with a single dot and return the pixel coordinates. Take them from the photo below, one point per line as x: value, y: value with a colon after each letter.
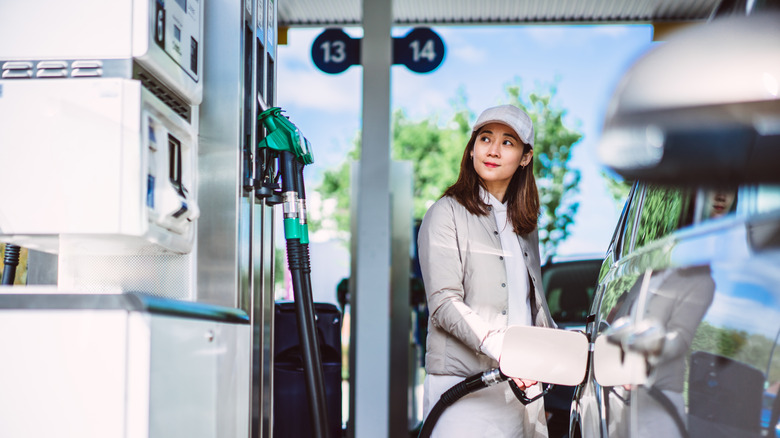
x: 570, y: 287
x: 663, y: 211
x: 614, y: 244
x: 767, y: 198
x: 626, y: 238
x: 716, y: 202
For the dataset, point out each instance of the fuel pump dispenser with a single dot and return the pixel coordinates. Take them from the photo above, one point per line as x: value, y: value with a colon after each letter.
x: 133, y: 332
x: 293, y: 152
x: 101, y: 110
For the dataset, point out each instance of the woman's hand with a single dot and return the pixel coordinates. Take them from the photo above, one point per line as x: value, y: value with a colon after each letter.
x: 524, y: 383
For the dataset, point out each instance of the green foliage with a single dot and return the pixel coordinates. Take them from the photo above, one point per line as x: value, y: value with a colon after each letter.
x: 435, y: 151
x: 617, y: 187
x: 280, y: 267
x: 663, y: 207
x: 558, y: 183
x: 752, y: 349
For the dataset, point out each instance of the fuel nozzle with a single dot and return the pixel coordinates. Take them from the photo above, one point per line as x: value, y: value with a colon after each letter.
x: 283, y: 135
x: 293, y: 151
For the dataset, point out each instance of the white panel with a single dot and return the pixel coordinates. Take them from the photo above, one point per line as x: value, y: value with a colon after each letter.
x: 74, y: 150
x: 138, y: 360
x: 183, y: 398
x: 233, y: 380
x: 62, y: 373
x: 36, y: 30
x: 55, y: 136
x: 46, y: 29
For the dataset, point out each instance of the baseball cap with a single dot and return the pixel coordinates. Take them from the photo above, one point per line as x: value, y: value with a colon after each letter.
x: 511, y: 116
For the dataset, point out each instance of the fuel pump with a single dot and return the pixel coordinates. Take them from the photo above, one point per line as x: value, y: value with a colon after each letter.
x: 292, y: 150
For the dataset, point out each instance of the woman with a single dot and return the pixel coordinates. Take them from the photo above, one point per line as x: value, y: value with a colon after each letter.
x: 479, y: 254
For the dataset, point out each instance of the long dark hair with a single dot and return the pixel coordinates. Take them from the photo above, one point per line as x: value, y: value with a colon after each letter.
x: 522, y: 197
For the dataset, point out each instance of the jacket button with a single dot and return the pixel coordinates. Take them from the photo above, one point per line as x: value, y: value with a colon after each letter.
x: 503, y: 312
x: 495, y: 232
x: 490, y: 208
x: 525, y: 254
x: 503, y: 284
x: 501, y: 257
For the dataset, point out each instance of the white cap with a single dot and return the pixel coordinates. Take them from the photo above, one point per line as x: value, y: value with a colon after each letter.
x: 511, y: 116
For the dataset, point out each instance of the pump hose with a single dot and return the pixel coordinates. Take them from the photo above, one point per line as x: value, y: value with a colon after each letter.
x: 10, y: 262
x: 297, y: 257
x: 462, y: 388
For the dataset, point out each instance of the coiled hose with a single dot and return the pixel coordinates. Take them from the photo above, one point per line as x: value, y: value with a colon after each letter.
x: 10, y: 262
x: 467, y: 386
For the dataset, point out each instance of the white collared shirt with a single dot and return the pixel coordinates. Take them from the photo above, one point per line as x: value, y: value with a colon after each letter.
x: 519, y: 306
x: 518, y: 299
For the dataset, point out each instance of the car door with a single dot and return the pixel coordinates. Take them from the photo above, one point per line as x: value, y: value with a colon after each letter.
x: 587, y: 405
x: 701, y: 306
x: 651, y: 213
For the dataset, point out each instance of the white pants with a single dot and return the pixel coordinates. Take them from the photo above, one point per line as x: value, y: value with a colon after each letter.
x: 492, y: 412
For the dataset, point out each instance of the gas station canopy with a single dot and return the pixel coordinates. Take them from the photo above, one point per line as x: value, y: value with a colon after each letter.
x: 315, y: 13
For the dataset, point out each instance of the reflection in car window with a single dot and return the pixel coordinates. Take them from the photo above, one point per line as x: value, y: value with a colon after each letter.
x: 661, y: 213
x: 628, y: 230
x: 767, y: 198
x: 614, y: 245
x: 714, y: 203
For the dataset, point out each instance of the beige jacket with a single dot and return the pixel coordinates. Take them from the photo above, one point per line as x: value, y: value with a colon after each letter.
x: 465, y: 282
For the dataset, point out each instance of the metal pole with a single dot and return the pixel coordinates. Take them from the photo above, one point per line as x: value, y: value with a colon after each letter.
x: 369, y: 380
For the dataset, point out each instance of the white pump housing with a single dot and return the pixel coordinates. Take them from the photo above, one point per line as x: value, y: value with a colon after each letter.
x: 101, y: 161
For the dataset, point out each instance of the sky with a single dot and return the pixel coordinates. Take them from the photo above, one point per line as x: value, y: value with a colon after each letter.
x: 585, y: 62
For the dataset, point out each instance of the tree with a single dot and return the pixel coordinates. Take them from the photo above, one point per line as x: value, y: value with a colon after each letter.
x: 435, y: 151
x: 617, y: 187
x: 557, y: 181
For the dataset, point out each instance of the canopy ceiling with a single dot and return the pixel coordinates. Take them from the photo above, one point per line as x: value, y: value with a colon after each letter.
x: 301, y: 13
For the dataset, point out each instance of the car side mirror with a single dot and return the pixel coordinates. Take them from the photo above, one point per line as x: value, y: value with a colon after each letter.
x: 702, y: 108
x: 546, y: 355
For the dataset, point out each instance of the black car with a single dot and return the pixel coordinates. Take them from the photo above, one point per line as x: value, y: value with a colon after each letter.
x: 569, y: 284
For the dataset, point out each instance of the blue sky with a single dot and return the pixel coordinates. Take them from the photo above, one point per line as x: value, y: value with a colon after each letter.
x: 586, y: 62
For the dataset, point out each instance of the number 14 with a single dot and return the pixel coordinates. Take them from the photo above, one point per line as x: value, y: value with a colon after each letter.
x: 428, y: 52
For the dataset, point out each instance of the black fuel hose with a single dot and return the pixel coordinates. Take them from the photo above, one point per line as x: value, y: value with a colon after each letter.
x: 467, y: 386
x: 300, y: 272
x: 10, y: 262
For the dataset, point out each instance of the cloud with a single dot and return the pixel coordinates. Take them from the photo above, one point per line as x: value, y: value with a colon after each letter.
x: 468, y: 53
x: 420, y: 96
x: 302, y: 85
x: 320, y: 91
x: 742, y: 314
x: 548, y: 35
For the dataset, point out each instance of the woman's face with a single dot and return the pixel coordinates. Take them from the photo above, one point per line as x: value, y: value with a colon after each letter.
x: 720, y: 202
x: 498, y: 152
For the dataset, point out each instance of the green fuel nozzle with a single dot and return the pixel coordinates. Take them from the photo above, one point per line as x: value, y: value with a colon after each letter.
x: 294, y: 152
x: 283, y: 135
x: 286, y: 143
